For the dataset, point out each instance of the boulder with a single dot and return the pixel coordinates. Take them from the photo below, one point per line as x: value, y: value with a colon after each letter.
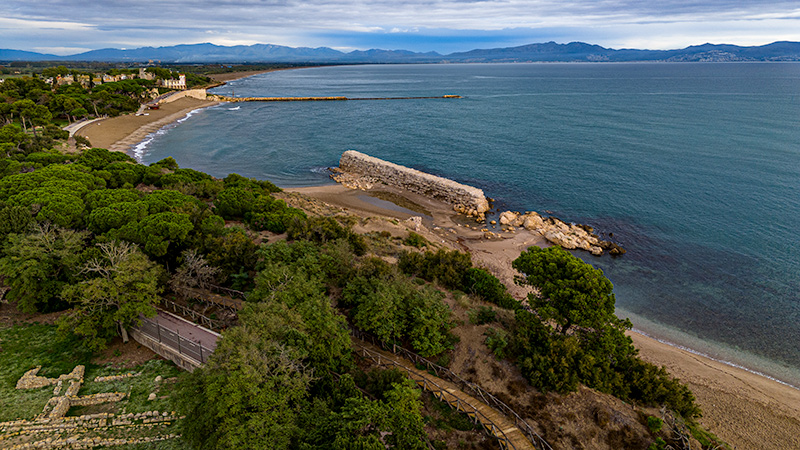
x: 508, y: 217
x: 532, y: 221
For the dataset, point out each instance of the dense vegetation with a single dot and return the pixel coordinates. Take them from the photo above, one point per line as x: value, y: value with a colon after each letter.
x: 568, y: 334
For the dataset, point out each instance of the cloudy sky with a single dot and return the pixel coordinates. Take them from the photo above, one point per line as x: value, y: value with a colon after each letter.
x: 72, y: 26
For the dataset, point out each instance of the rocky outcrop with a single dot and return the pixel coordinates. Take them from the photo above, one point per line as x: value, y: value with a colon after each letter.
x: 360, y: 171
x: 569, y: 236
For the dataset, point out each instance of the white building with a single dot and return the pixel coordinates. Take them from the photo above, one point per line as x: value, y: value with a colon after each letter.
x: 172, y: 83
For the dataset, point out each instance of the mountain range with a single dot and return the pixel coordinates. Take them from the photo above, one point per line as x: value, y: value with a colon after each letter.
x: 543, y: 52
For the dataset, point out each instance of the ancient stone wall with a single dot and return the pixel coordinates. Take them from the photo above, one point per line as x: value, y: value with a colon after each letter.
x: 466, y: 199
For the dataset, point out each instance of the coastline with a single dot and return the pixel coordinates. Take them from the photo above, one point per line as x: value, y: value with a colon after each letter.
x: 123, y: 133
x: 744, y: 408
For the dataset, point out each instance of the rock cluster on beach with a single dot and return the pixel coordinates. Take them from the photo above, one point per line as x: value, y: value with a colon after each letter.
x: 569, y: 236
x: 359, y: 171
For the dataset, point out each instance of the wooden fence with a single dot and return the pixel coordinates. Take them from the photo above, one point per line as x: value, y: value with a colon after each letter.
x: 465, y: 386
x: 212, y: 324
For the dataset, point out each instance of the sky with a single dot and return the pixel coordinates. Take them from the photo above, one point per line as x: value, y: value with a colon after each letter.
x: 64, y: 27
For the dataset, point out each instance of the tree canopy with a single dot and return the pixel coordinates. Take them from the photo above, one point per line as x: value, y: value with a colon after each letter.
x: 122, y: 284
x: 572, y: 292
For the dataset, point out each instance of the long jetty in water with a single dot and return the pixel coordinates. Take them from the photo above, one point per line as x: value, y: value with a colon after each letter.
x: 222, y: 98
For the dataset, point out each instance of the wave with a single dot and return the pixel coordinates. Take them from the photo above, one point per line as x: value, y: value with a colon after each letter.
x: 140, y: 150
x: 323, y: 170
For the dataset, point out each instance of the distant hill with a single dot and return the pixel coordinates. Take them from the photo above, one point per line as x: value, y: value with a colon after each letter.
x: 20, y: 55
x: 543, y: 52
x: 579, y: 51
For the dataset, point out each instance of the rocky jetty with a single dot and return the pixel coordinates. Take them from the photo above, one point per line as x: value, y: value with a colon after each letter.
x: 359, y: 171
x: 569, y: 236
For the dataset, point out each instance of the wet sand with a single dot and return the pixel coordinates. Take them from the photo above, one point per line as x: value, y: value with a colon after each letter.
x: 123, y: 132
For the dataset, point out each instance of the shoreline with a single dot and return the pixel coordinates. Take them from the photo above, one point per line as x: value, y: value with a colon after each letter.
x: 124, y: 133
x: 742, y: 406
x: 654, y: 337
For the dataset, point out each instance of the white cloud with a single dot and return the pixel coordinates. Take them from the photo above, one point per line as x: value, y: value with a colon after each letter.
x: 665, y: 24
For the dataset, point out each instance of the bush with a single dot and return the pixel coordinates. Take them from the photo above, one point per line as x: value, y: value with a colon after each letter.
x: 238, y: 181
x: 482, y: 283
x: 654, y: 424
x: 396, y: 310
x: 273, y: 215
x: 483, y: 315
x: 415, y: 240
x: 234, y: 202
x: 659, y: 444
x: 497, y: 341
x: 324, y: 229
x: 444, y: 267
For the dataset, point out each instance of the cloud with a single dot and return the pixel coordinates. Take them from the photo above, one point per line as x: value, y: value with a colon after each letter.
x: 662, y: 24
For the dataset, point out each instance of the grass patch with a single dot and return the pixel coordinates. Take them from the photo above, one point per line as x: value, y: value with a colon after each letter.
x: 23, y: 348
x: 706, y: 438
x: 26, y: 346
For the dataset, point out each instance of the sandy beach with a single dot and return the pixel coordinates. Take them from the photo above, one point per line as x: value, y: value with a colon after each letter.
x: 746, y: 410
x: 123, y: 132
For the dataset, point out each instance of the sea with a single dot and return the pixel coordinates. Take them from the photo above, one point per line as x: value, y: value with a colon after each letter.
x: 694, y: 168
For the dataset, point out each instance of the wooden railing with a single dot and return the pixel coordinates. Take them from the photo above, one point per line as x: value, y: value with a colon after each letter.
x: 189, y: 313
x: 439, y: 392
x: 466, y: 386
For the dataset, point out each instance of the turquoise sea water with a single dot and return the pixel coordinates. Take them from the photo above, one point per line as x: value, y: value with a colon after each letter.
x: 694, y: 168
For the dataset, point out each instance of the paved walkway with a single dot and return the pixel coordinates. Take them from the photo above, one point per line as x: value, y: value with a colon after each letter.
x: 74, y: 127
x: 186, y: 329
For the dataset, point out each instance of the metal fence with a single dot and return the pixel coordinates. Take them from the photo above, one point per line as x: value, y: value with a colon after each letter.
x: 466, y: 386
x: 175, y: 341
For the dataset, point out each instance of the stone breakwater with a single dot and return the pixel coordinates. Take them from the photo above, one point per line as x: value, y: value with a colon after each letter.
x: 360, y: 171
x: 567, y: 235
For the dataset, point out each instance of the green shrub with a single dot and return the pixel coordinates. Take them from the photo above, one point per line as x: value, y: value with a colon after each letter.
x: 266, y: 213
x: 482, y: 283
x: 324, y: 229
x: 415, y: 240
x: 497, y: 341
x: 654, y: 424
x: 483, y: 315
x: 445, y: 267
x: 659, y: 444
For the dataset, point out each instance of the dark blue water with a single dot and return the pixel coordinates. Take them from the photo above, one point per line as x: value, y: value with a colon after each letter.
x: 694, y: 168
